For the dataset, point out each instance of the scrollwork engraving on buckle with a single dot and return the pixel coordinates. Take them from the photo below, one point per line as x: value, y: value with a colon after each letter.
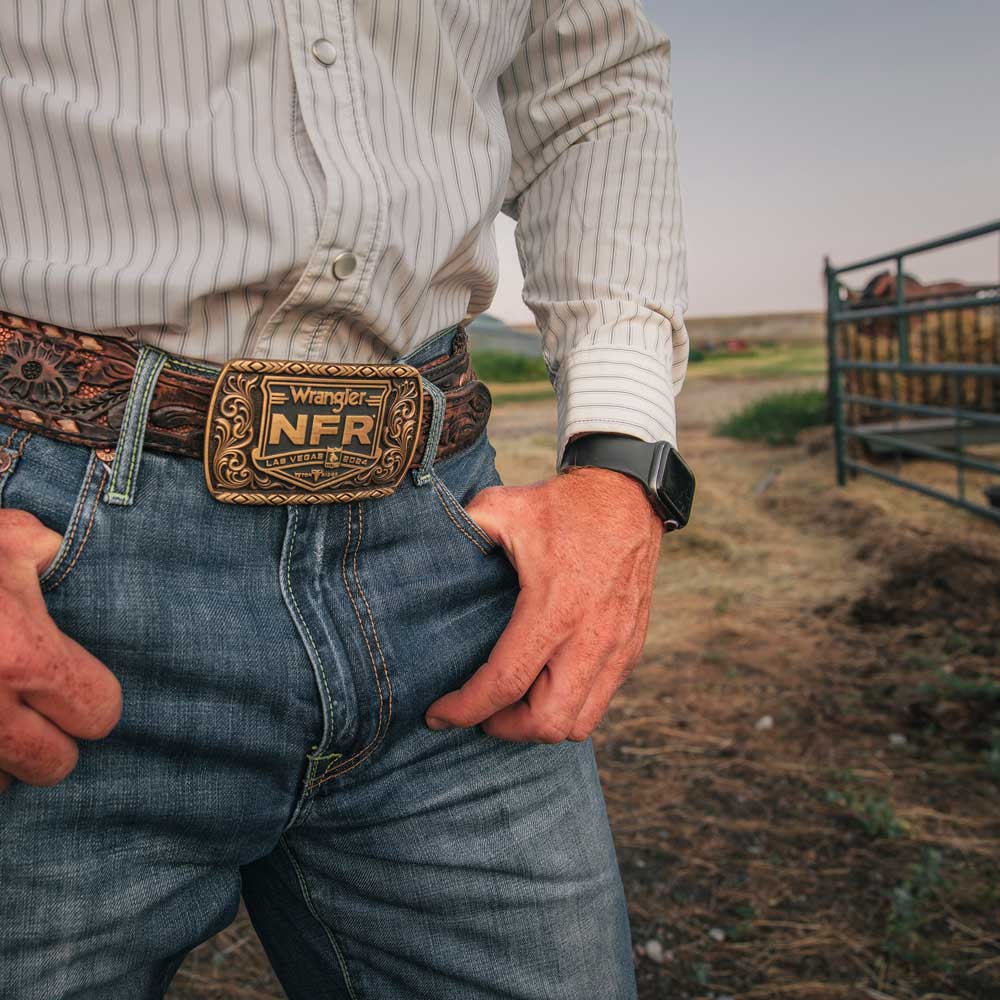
x: 283, y: 432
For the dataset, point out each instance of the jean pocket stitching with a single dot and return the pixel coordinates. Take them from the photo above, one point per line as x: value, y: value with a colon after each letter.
x: 71, y: 550
x: 455, y: 511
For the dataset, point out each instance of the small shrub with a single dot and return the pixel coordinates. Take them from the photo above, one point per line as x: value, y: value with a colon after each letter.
x: 505, y: 366
x: 992, y: 758
x: 957, y: 643
x: 701, y: 973
x: 741, y: 930
x: 871, y: 808
x: 922, y: 661
x: 778, y: 418
x: 879, y: 818
x: 908, y: 910
x: 949, y: 686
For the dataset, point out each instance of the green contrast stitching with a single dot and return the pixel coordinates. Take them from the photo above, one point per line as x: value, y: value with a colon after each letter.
x: 68, y: 539
x: 177, y: 365
x: 83, y: 541
x: 135, y: 417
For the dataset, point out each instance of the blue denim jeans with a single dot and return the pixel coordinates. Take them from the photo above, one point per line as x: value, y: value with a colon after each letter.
x: 276, y: 664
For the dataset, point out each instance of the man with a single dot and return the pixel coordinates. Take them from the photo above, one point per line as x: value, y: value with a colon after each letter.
x: 369, y: 715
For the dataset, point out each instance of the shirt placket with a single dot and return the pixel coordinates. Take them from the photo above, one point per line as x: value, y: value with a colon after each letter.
x: 336, y: 277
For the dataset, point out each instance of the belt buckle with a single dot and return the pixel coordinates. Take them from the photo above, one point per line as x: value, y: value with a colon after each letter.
x: 291, y: 432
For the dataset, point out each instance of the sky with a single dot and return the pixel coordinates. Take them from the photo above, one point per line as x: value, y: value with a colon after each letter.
x: 807, y: 128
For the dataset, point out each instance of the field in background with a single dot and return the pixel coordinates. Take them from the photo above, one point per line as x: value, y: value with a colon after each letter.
x: 804, y: 327
x: 513, y: 379
x: 705, y: 332
x: 803, y: 773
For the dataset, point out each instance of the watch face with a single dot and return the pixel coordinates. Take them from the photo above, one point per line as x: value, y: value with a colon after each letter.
x: 676, y: 489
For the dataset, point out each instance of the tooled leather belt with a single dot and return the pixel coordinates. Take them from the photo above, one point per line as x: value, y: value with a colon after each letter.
x: 279, y: 432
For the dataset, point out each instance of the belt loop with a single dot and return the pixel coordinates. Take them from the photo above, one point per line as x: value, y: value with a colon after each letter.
x: 128, y: 453
x: 422, y: 475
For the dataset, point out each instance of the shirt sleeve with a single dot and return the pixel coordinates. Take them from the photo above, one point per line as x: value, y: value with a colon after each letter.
x: 594, y: 190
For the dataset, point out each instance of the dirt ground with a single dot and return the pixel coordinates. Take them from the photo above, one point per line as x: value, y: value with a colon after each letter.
x: 803, y: 772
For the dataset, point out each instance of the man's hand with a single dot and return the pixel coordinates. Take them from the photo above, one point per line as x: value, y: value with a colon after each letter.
x: 51, y: 689
x: 585, y: 546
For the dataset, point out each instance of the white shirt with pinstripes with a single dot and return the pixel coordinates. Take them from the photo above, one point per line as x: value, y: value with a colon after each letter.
x: 319, y: 179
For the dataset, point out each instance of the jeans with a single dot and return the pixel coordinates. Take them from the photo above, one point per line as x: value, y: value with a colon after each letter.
x: 276, y: 664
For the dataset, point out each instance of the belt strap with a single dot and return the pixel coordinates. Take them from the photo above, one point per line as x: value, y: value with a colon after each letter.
x: 80, y: 387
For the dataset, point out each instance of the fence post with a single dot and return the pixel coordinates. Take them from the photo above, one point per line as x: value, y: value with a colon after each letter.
x: 902, y: 321
x: 833, y: 370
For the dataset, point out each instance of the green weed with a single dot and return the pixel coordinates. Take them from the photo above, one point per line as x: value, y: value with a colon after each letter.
x: 741, y: 930
x: 778, y: 418
x: 908, y: 909
x: 528, y: 396
x: 761, y: 361
x: 949, y: 686
x: 992, y: 758
x: 871, y: 808
x: 505, y: 366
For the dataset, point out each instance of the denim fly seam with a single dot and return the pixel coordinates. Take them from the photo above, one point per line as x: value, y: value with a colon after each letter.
x: 422, y: 476
x: 128, y: 453
x: 312, y: 651
x: 338, y: 767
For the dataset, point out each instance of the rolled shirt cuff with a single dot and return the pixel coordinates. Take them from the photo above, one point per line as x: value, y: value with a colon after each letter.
x: 618, y: 389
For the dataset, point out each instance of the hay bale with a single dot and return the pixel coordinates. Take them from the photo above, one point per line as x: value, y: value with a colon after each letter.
x: 949, y: 336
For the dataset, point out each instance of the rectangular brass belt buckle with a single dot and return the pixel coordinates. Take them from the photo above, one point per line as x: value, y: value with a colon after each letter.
x: 283, y: 432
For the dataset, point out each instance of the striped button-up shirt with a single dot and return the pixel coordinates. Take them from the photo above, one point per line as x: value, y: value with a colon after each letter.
x: 319, y: 180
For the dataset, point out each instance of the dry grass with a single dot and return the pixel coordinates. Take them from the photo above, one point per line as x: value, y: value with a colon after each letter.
x: 826, y: 611
x: 829, y: 611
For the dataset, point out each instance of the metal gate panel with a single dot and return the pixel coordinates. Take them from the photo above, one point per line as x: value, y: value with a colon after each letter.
x: 915, y: 373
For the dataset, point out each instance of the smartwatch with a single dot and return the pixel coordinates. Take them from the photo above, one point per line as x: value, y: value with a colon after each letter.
x: 666, y: 478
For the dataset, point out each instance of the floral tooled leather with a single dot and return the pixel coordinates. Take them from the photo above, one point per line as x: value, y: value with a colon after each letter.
x: 74, y: 386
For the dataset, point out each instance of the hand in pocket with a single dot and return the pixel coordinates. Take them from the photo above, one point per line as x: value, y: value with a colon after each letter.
x: 52, y: 691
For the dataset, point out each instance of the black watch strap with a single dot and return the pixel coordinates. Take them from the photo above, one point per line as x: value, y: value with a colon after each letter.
x: 609, y: 451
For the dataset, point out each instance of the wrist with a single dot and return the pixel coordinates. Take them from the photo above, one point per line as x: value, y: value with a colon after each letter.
x: 618, y: 491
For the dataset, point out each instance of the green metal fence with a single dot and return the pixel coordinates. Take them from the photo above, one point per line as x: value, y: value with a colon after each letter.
x: 915, y: 379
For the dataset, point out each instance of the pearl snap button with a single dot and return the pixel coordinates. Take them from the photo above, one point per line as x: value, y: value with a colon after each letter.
x: 344, y: 264
x: 323, y: 51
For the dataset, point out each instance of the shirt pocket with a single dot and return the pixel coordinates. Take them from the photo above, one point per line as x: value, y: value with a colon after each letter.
x: 61, y: 484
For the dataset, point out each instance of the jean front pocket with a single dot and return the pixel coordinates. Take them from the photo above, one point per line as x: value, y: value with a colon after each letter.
x: 460, y: 517
x: 60, y: 484
x: 456, y: 480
